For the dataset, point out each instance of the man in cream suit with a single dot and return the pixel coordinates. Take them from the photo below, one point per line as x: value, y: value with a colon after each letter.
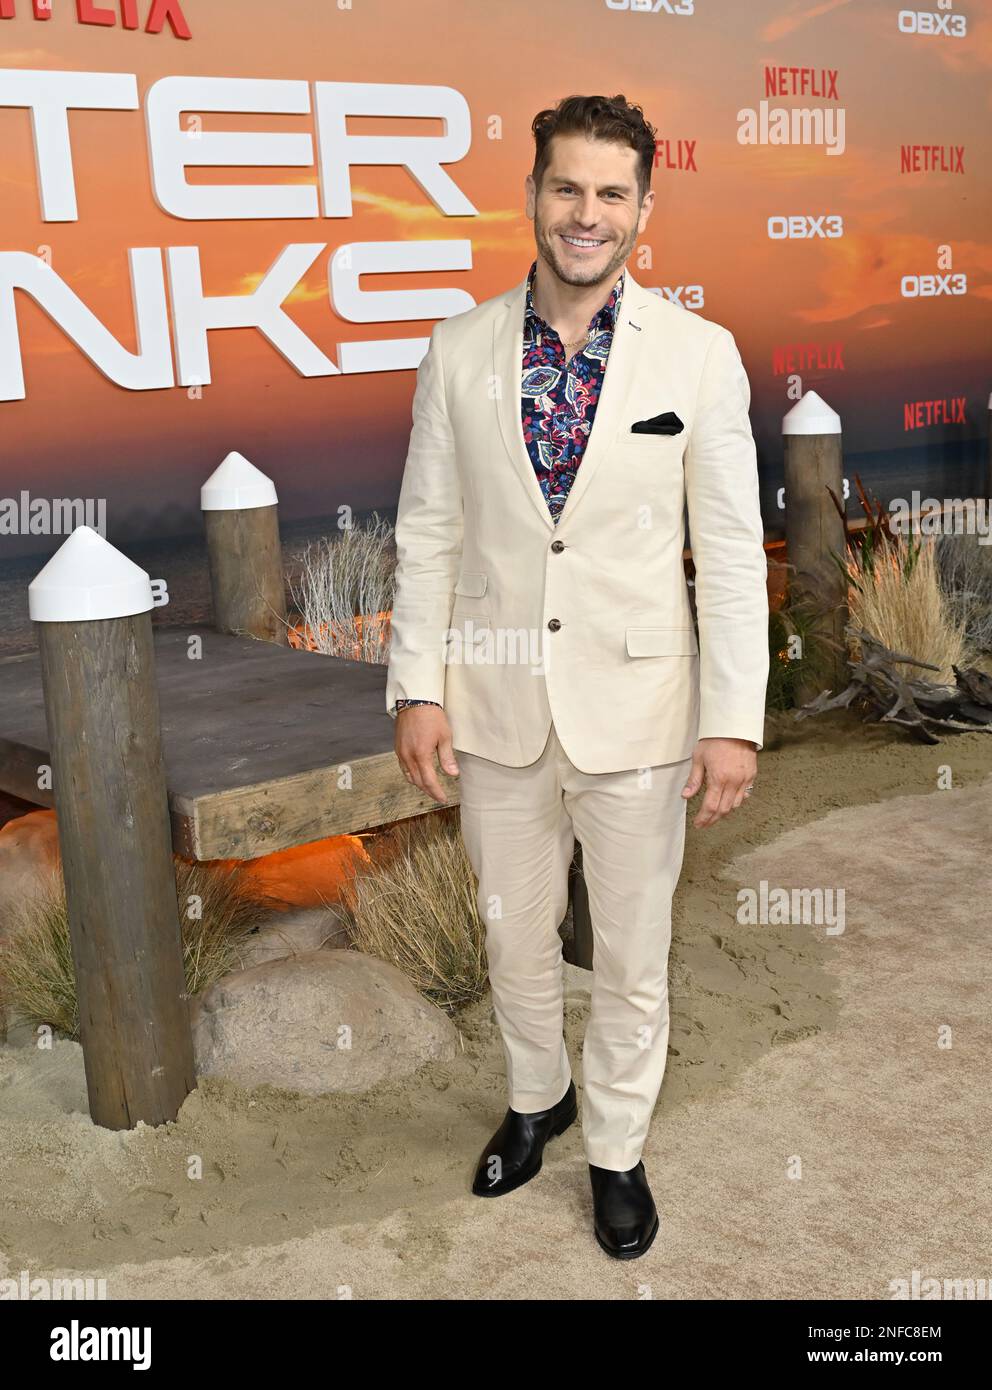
x: 542, y: 629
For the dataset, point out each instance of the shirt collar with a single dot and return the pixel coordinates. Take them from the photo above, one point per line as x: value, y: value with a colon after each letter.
x: 606, y: 318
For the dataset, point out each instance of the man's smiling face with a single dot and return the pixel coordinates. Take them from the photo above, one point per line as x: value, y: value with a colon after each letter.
x: 587, y: 214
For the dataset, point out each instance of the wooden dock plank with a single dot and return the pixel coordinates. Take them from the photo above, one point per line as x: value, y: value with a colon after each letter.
x: 265, y: 746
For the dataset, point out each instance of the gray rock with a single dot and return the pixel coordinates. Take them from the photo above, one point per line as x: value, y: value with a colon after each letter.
x: 325, y: 1021
x: 19, y: 1033
x: 293, y: 934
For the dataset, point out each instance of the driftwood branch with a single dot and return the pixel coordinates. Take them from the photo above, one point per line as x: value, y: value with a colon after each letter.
x: 893, y: 697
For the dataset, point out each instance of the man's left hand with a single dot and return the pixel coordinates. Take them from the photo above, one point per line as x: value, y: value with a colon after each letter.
x: 730, y: 765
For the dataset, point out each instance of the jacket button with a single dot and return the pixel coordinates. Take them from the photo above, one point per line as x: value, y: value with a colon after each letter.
x: 554, y: 624
x: 557, y: 546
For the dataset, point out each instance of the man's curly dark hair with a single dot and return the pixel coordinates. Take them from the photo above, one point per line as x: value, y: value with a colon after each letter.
x: 600, y: 118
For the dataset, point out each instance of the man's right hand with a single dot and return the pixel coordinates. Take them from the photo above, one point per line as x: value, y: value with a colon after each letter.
x: 422, y: 730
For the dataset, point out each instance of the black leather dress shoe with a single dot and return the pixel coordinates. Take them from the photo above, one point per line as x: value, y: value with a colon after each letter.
x: 514, y: 1154
x: 624, y: 1216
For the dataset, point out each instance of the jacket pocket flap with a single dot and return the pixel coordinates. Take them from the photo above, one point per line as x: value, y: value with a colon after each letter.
x: 474, y: 585
x: 661, y: 641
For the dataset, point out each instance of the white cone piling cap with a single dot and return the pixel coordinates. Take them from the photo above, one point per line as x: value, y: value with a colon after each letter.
x: 236, y: 485
x: 811, y: 415
x: 88, y: 578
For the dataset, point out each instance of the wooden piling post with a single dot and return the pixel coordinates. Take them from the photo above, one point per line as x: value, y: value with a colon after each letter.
x: 92, y: 607
x: 814, y: 531
x: 241, y: 517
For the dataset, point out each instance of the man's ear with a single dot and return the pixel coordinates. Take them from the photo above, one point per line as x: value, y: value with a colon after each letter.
x: 646, y: 207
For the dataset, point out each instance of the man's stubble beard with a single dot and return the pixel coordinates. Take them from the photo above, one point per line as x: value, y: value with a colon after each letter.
x: 546, y: 245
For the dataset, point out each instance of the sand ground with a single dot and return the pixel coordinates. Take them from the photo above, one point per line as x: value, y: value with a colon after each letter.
x: 816, y: 1135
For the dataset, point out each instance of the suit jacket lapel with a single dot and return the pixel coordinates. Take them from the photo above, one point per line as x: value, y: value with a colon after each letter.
x: 508, y: 351
x: 508, y: 344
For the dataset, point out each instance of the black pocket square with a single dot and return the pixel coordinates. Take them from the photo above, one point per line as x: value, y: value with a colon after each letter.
x: 666, y: 423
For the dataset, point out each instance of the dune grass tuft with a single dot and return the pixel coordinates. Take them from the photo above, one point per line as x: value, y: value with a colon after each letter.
x: 37, y: 978
x: 344, y: 593
x: 416, y: 907
x: 964, y: 564
x: 898, y: 598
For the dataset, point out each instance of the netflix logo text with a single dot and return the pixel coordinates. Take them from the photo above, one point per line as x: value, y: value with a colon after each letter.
x: 158, y: 14
x: 801, y: 82
x: 807, y: 357
x: 931, y: 159
x: 676, y: 154
x: 920, y: 415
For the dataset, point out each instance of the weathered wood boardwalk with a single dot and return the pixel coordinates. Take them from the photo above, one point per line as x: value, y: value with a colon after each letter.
x: 265, y: 746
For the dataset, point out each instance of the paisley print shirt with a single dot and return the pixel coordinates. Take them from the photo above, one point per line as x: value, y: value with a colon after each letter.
x: 558, y: 399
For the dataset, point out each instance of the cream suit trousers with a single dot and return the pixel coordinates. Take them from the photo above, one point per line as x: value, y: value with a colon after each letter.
x: 519, y: 825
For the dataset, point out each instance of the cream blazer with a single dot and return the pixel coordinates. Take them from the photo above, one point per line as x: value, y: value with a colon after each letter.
x: 509, y: 620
